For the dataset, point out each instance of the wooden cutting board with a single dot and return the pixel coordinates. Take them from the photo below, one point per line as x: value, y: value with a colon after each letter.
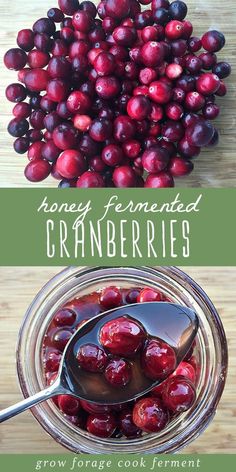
x: 214, y: 168
x: 23, y: 434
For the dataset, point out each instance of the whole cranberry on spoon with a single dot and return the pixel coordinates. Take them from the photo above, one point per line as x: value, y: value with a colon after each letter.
x: 133, y: 347
x: 110, y: 75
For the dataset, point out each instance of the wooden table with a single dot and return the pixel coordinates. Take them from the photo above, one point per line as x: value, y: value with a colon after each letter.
x: 23, y: 434
x: 214, y: 168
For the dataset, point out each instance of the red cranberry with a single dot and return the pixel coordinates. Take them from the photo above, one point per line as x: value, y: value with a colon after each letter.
x: 158, y: 360
x: 43, y: 42
x: 101, y: 425
x: 208, y: 84
x: 172, y: 131
x: 78, y: 102
x: 213, y: 41
x: 149, y: 295
x: 186, y: 370
x: 53, y: 359
x: 194, y: 101
x: 178, y: 10
x: 174, y: 111
x: 21, y: 110
x: 179, y: 394
x: 82, y: 122
x: 94, y: 407
x: 139, y: 107
x: 37, y: 59
x: 112, y: 155
x: 179, y: 167
x: 150, y: 415
x: 68, y: 404
x: 59, y: 68
x: 38, y: 170
x: 116, y: 9
x: 57, y: 90
x: 149, y: 33
x: 146, y: 76
x: 110, y: 297
x: 174, y: 29
x: 155, y: 159
x: 124, y: 177
x: 127, y: 426
x: 64, y: 317
x: 152, y: 54
x: 187, y: 29
x: 159, y: 92
x: 132, y: 148
x: 36, y: 80
x: 35, y: 151
x: 16, y: 93
x: 100, y: 130
x: 25, y: 39
x: 107, y: 87
x: 193, y: 64
x: 92, y: 358
x: 161, y: 180
x: 124, y: 128
x: 118, y: 372
x: 97, y: 165
x: 200, y: 134
x: 211, y: 111
x: 104, y: 63
x: 65, y: 136
x: 90, y: 179
x: 173, y: 71
x: 122, y: 336
x: 15, y: 59
x: 82, y: 21
x: 70, y: 164
x: 222, y: 69
x: 222, y: 90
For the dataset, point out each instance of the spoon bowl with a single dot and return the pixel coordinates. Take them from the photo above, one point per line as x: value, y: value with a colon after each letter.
x: 173, y: 324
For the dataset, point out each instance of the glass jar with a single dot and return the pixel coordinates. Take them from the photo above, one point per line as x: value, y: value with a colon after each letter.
x: 211, y: 348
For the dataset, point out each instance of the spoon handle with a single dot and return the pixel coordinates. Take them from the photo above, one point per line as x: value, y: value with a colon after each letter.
x: 23, y: 405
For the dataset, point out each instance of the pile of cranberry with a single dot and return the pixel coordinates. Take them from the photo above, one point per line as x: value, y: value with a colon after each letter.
x: 121, y: 339
x: 117, y: 97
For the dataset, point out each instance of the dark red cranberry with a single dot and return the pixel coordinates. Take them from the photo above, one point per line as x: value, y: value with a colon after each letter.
x: 139, y: 108
x: 122, y: 336
x: 67, y: 35
x: 127, y: 426
x: 21, y: 110
x: 68, y: 404
x: 104, y: 63
x: 36, y: 80
x: 186, y: 83
x: 118, y: 372
x: 52, y: 362
x: 174, y: 111
x: 155, y: 159
x: 110, y: 297
x: 112, y: 155
x: 200, y: 134
x: 92, y: 358
x: 90, y: 179
x: 158, y: 360
x: 50, y: 152
x: 35, y: 151
x: 35, y: 100
x: 107, y: 87
x: 178, y: 10
x: 222, y: 90
x: 124, y: 128
x: 59, y: 48
x: 60, y: 337
x: 193, y: 64
x: 132, y: 148
x: 100, y: 130
x: 179, y: 167
x: 160, y: 4
x: 51, y: 121
x: 150, y: 415
x: 222, y: 69
x: 55, y: 14
x: 125, y: 36
x: 213, y: 41
x: 89, y: 7
x: 179, y: 47
x: 179, y: 394
x: 116, y: 9
x: 71, y: 164
x: 186, y: 370
x: 37, y: 119
x: 59, y: 68
x: 18, y: 127
x: 64, y: 317
x: 172, y: 131
x: 15, y: 59
x: 68, y: 6
x: 38, y: 170
x: 215, y: 139
x: 186, y: 150
x: 65, y: 136
x: 159, y: 92
x: 37, y: 59
x: 132, y: 295
x: 161, y: 16
x: 67, y: 183
x: 187, y: 29
x: 194, y: 44
x: 25, y: 39
x: 211, y: 111
x: 97, y: 165
x: 21, y: 145
x: 57, y: 90
x: 101, y: 425
x: 16, y: 93
x: 95, y: 408
x: 194, y: 101
x: 34, y: 135
x: 161, y: 180
x: 44, y: 25
x: 47, y: 105
x: 208, y: 60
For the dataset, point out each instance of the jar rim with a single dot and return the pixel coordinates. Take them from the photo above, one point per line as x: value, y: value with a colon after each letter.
x: 88, y: 273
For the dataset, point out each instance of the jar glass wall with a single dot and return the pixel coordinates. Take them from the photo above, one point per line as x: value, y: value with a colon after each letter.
x: 211, y: 348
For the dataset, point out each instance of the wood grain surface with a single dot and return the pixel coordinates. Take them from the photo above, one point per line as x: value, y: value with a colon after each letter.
x: 23, y: 434
x: 214, y: 168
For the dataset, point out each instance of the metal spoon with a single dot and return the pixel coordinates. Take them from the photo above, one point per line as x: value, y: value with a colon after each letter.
x: 174, y: 324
